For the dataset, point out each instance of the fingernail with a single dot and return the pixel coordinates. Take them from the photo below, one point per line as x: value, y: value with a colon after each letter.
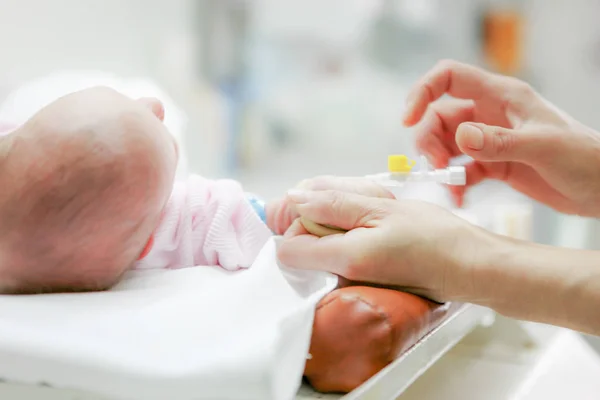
x: 474, y: 136
x: 298, y: 196
x: 409, y: 104
x: 288, y: 234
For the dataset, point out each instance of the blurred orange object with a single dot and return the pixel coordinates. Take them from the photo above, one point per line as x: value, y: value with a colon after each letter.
x: 359, y: 330
x: 503, y: 40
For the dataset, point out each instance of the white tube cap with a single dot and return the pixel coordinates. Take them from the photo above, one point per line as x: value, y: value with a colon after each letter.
x: 457, y: 176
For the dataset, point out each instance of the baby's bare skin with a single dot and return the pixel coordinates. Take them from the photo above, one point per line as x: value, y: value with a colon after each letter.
x: 86, y: 179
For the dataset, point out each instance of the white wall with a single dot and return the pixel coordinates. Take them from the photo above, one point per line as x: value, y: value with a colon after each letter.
x: 124, y: 36
x: 564, y: 58
x: 564, y: 55
x: 138, y: 38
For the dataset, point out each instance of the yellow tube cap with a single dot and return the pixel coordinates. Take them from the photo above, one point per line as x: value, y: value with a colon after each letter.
x: 400, y: 163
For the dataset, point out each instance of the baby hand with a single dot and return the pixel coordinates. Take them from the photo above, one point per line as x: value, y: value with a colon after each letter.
x: 281, y: 213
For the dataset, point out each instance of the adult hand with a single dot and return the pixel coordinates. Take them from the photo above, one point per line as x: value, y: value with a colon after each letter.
x: 511, y: 133
x: 413, y: 245
x: 282, y: 213
x: 426, y: 250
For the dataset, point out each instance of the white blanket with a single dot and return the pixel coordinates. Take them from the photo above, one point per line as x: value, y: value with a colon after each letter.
x: 197, y: 333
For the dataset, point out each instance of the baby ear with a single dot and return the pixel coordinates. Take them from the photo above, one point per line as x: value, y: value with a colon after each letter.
x: 155, y: 106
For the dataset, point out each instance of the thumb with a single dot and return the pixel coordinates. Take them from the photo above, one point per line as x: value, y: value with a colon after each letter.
x: 336, y: 209
x: 493, y: 143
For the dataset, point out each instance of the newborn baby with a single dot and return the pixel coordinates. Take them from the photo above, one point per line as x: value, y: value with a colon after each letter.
x: 88, y: 192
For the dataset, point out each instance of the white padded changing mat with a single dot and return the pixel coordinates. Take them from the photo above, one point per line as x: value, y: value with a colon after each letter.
x: 196, y: 333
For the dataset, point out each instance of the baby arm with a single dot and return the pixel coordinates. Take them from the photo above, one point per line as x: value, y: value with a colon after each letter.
x: 208, y: 222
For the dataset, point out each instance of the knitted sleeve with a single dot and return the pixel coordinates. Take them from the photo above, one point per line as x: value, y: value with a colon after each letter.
x: 207, y: 222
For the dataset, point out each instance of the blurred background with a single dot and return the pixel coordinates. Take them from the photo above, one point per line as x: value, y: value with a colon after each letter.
x: 280, y: 90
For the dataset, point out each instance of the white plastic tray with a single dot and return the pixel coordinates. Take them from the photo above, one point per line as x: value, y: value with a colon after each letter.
x: 389, y: 383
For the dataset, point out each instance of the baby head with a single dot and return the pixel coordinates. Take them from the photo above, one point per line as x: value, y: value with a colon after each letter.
x: 84, y: 182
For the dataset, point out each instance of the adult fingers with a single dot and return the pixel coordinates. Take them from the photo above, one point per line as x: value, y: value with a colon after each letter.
x: 296, y: 229
x: 331, y: 253
x: 301, y: 250
x: 360, y: 186
x: 435, y: 134
x: 281, y: 213
x: 493, y: 143
x: 338, y: 209
x: 456, y: 79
